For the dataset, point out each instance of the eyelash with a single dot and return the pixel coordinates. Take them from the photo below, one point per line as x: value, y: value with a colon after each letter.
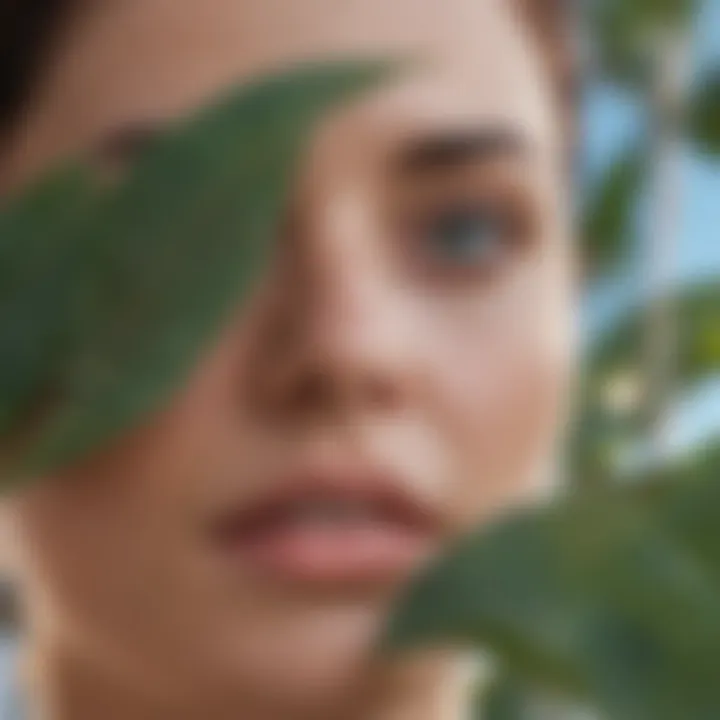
x: 507, y: 218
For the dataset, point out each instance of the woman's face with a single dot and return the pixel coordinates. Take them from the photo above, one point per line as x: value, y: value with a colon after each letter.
x: 398, y: 376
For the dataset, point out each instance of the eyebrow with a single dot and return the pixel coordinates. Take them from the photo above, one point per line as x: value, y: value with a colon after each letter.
x: 435, y: 151
x: 449, y: 149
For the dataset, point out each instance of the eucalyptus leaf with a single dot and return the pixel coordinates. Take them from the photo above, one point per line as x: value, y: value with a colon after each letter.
x: 696, y: 308
x: 704, y: 114
x: 508, y: 698
x: 626, y: 34
x: 618, y: 355
x: 120, y: 291
x: 609, y: 597
x: 39, y: 253
x: 609, y: 218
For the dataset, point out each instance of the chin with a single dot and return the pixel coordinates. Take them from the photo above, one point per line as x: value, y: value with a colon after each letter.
x: 309, y: 660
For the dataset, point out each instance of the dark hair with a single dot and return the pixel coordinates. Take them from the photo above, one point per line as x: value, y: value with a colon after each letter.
x: 27, y: 31
x: 557, y: 26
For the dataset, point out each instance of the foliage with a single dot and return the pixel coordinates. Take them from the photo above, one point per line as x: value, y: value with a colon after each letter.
x: 609, y: 219
x: 626, y: 34
x: 704, y: 114
x: 609, y: 597
x: 698, y: 343
x: 617, y: 356
x: 108, y: 296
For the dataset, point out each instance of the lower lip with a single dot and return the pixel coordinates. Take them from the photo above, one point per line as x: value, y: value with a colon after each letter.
x: 340, y: 555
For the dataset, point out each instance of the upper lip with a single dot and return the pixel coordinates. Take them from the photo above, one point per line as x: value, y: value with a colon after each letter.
x: 388, y: 493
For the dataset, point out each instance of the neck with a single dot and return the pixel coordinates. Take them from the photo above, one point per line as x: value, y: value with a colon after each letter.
x: 61, y: 687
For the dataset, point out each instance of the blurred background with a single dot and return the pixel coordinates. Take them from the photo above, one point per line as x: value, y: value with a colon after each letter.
x: 649, y: 213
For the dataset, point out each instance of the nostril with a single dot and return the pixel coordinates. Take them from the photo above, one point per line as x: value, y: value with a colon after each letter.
x: 294, y: 393
x: 310, y: 392
x: 321, y: 362
x: 323, y: 392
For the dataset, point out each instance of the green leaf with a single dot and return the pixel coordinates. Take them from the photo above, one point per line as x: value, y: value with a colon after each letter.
x: 625, y: 33
x: 507, y: 698
x: 512, y: 698
x: 696, y: 314
x: 609, y: 221
x: 609, y: 597
x: 139, y: 283
x: 39, y: 252
x: 620, y: 352
x: 704, y: 115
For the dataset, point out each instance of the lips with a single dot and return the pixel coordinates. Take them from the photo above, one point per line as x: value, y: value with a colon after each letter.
x: 339, y: 529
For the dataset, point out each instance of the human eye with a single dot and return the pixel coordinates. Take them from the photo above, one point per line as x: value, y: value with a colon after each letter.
x: 464, y: 235
x: 467, y: 224
x: 469, y: 237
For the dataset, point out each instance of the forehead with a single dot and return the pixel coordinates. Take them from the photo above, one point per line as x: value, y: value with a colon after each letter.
x: 126, y: 61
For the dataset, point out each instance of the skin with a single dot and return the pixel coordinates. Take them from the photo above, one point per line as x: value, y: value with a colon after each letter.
x: 370, y: 342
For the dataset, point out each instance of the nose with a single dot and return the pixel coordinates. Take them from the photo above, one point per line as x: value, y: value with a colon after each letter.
x: 337, y: 343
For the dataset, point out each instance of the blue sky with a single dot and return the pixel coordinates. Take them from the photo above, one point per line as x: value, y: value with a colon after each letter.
x: 610, y: 125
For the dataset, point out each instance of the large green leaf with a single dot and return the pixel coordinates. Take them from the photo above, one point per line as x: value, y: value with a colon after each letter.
x: 609, y: 218
x: 511, y: 698
x: 39, y: 253
x: 109, y: 298
x: 704, y: 114
x: 609, y: 597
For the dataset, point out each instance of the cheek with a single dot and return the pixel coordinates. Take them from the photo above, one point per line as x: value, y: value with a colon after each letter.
x: 503, y: 388
x: 110, y: 535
